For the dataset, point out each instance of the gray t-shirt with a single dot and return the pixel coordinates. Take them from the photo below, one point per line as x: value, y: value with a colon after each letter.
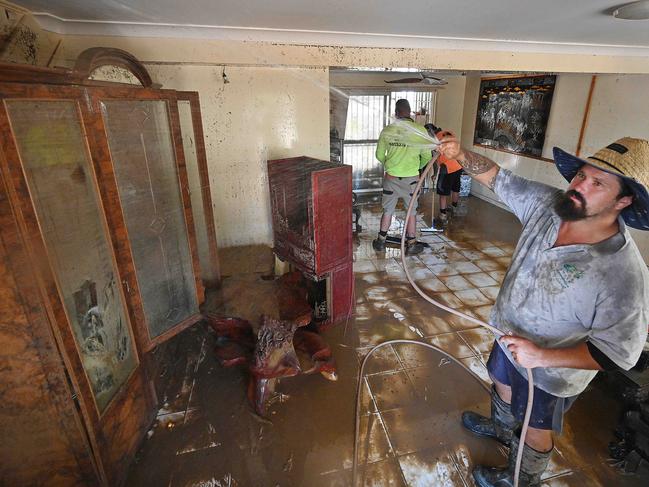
x: 560, y: 297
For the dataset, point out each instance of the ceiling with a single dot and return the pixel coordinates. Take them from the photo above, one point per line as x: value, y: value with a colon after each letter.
x: 542, y: 25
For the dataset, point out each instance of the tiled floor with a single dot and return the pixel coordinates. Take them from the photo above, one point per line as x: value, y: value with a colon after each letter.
x: 412, y: 397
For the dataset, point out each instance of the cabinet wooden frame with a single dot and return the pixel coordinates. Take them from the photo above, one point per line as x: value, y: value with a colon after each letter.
x: 88, y: 100
x: 22, y: 306
x: 121, y: 404
x: 145, y: 341
x: 114, y: 433
x: 201, y: 158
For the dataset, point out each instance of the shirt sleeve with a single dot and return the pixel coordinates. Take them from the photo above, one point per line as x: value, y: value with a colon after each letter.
x: 521, y: 195
x: 619, y: 328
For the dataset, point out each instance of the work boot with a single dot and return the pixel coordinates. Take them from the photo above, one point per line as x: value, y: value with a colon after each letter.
x: 378, y: 244
x: 533, y: 464
x: 444, y: 218
x: 499, y: 426
x: 413, y: 247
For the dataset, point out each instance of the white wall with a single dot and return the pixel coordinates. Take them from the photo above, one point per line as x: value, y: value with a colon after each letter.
x: 619, y: 108
x: 450, y: 104
x: 262, y: 113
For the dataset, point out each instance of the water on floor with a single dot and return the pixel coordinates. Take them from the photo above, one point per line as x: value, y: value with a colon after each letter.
x: 410, y: 434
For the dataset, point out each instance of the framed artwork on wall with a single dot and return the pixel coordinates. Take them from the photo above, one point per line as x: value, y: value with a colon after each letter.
x: 513, y: 113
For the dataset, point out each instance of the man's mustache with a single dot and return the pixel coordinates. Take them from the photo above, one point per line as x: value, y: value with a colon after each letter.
x: 576, y: 194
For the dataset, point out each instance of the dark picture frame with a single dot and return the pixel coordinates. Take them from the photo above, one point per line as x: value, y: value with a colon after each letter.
x: 513, y: 113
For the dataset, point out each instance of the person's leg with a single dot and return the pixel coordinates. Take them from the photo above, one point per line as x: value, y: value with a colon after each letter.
x: 443, y: 203
x: 455, y: 197
x: 444, y: 191
x: 389, y: 203
x: 501, y: 424
x: 533, y: 463
x: 386, y: 220
x: 503, y: 390
x: 540, y: 440
x: 406, y: 191
x: 411, y: 227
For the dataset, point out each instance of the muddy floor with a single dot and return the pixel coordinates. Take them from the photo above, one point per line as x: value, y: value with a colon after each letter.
x: 410, y: 433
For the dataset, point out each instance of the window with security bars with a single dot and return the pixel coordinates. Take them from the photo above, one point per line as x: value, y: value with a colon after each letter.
x: 367, y: 115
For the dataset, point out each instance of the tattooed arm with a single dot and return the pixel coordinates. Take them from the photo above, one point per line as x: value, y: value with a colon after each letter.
x: 479, y: 167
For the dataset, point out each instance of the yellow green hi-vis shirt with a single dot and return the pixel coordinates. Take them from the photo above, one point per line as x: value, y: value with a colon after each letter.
x: 403, y: 147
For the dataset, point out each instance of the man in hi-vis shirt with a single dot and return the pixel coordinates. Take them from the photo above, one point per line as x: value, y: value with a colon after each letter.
x: 403, y: 148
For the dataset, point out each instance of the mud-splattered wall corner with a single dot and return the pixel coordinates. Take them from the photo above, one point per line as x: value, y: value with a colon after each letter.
x: 22, y: 40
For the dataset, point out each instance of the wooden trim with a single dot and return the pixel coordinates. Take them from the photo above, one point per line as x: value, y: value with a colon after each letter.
x: 116, y: 223
x: 584, y: 122
x: 183, y: 179
x: 115, y: 433
x: 545, y: 159
x: 203, y: 174
x: 28, y: 74
x: 42, y: 332
x: 96, y: 94
x: 175, y: 330
x: 96, y: 57
x: 20, y: 199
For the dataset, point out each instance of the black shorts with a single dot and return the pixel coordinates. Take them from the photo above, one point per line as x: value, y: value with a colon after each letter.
x: 547, y: 409
x: 449, y: 182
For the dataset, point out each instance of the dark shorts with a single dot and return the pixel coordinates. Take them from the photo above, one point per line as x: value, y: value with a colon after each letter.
x: 547, y: 410
x: 449, y: 182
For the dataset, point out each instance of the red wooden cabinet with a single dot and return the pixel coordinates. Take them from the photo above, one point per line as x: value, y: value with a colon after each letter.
x: 311, y: 204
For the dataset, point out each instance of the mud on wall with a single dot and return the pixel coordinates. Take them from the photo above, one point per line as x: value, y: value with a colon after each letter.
x: 22, y: 40
x: 260, y: 114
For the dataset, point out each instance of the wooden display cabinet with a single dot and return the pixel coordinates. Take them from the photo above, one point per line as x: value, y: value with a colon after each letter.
x: 311, y: 204
x: 99, y: 264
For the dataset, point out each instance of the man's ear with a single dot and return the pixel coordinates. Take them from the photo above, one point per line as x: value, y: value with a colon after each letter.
x: 623, y: 202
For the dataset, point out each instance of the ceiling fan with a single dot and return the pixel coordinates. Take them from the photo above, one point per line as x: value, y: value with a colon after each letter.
x: 423, y: 79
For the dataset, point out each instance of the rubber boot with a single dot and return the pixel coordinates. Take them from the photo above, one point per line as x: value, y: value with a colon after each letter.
x: 378, y: 244
x: 533, y: 464
x: 413, y: 247
x: 499, y: 426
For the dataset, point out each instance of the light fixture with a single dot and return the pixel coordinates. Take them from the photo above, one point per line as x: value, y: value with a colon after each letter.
x: 633, y: 11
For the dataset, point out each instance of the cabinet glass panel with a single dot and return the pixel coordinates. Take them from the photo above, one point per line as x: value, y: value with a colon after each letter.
x: 52, y: 148
x: 139, y: 137
x: 208, y: 272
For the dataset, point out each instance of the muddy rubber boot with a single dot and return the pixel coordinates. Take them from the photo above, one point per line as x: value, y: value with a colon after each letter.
x: 378, y: 244
x: 413, y: 247
x: 533, y: 464
x: 499, y: 426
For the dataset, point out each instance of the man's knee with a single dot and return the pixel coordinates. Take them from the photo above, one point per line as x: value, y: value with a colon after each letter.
x: 539, y: 439
x: 504, y: 391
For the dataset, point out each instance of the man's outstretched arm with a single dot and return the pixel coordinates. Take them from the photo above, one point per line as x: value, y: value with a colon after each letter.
x: 479, y: 167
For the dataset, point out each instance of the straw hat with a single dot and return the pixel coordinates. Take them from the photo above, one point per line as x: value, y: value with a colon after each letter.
x: 627, y: 158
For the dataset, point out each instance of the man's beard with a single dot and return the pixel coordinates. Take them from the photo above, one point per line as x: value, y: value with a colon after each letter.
x: 567, y: 209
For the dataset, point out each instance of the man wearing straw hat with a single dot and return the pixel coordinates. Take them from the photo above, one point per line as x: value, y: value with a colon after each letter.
x: 575, y: 298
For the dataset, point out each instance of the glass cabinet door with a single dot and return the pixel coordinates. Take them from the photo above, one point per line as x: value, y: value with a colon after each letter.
x: 200, y: 195
x: 52, y: 147
x: 140, y: 142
